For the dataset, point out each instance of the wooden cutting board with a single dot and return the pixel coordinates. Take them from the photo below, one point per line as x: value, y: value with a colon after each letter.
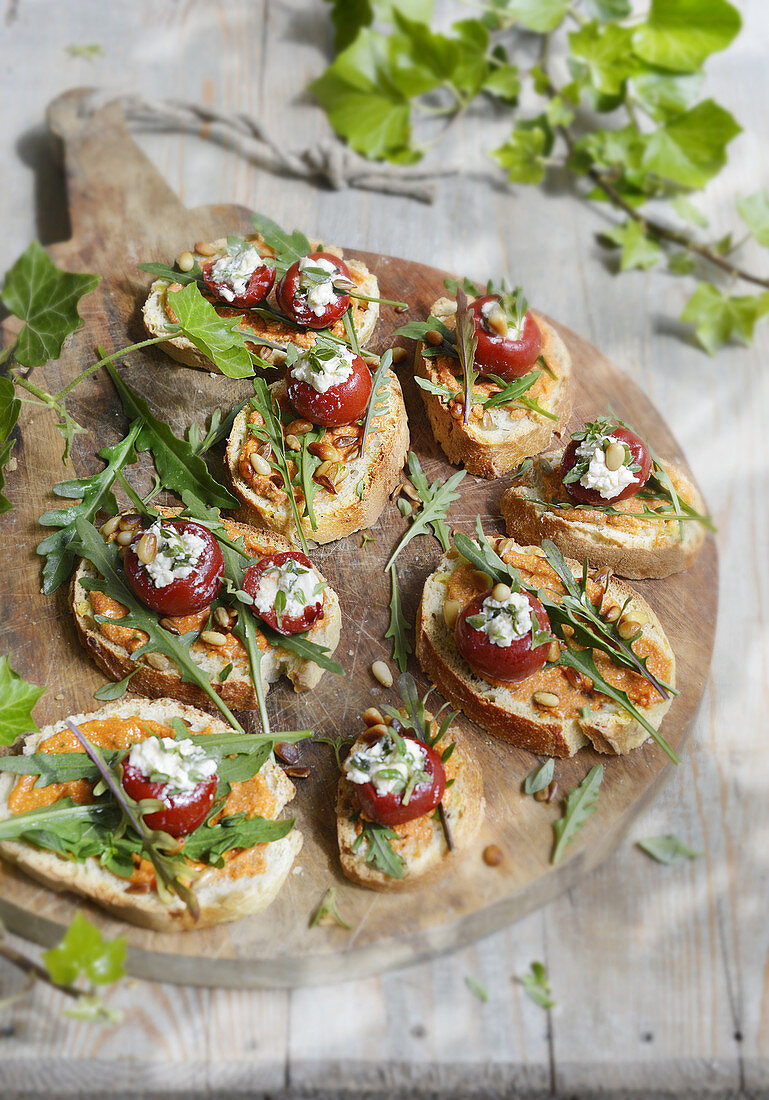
x: 124, y: 213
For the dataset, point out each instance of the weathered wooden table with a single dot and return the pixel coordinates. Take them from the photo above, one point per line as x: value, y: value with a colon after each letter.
x: 660, y: 973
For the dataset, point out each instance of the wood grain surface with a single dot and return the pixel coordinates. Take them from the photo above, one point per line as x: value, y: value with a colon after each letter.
x: 114, y: 223
x: 661, y: 975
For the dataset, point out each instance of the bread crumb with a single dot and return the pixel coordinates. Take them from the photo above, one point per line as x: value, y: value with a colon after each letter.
x: 298, y: 871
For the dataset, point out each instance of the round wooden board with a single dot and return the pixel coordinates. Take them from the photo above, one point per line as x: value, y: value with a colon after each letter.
x: 123, y: 213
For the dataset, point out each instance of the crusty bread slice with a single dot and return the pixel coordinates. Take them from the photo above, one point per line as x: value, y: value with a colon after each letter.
x: 157, y: 318
x: 632, y: 546
x: 221, y: 898
x: 509, y: 711
x: 237, y: 691
x: 421, y: 844
x: 495, y: 444
x: 360, y: 498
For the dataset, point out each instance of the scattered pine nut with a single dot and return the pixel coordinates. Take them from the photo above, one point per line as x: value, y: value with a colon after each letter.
x: 381, y: 672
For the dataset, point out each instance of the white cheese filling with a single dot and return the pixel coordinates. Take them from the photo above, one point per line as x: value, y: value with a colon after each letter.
x: 504, y: 621
x: 388, y: 768
x: 179, y: 765
x: 288, y: 589
x: 319, y: 295
x: 598, y: 476
x: 322, y: 374
x: 234, y: 270
x: 177, y: 554
x: 514, y: 332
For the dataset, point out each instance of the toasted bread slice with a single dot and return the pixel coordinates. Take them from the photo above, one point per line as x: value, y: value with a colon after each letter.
x: 421, y: 844
x: 157, y: 317
x: 245, y: 886
x: 359, y: 498
x: 111, y: 650
x: 635, y: 546
x: 495, y: 440
x: 511, y: 711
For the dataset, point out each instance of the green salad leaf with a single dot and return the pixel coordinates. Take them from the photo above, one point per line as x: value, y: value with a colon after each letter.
x: 580, y: 804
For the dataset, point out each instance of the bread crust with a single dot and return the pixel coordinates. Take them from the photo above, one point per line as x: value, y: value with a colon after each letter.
x: 658, y: 551
x: 377, y: 474
x: 237, y: 691
x: 464, y: 812
x: 181, y: 349
x: 220, y: 899
x: 494, y: 451
x: 608, y: 730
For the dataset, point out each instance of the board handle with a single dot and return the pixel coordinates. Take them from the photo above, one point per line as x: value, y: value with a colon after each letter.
x: 111, y: 184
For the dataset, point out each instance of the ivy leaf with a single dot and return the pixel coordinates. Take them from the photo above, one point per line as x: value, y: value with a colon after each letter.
x: 607, y: 54
x: 681, y: 263
x: 580, y: 804
x: 609, y: 10
x: 538, y: 15
x: 10, y: 407
x: 691, y: 149
x: 503, y: 83
x: 536, y: 986
x: 754, y: 211
x: 522, y: 155
x: 437, y: 53
x: 665, y: 95
x: 17, y: 698
x: 688, y: 212
x: 680, y: 34
x: 719, y: 318
x: 219, y: 338
x: 667, y: 849
x: 40, y: 293
x: 638, y: 250
x: 540, y: 778
x: 348, y: 16
x: 85, y: 953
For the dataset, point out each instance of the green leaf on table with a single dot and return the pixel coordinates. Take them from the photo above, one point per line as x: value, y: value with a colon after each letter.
x: 522, y: 155
x: 606, y: 50
x: 46, y: 298
x: 681, y: 34
x: 541, y: 16
x: 638, y: 250
x: 219, y: 338
x: 691, y: 148
x: 17, y: 698
x: 609, y: 10
x: 478, y: 989
x: 540, y: 778
x: 399, y: 625
x: 667, y: 849
x: 665, y: 94
x: 580, y: 804
x: 536, y: 986
x: 85, y: 953
x: 87, y: 50
x: 754, y: 211
x: 688, y: 212
x: 432, y: 514
x: 328, y: 911
x: 108, y: 692
x: 10, y: 407
x: 719, y: 318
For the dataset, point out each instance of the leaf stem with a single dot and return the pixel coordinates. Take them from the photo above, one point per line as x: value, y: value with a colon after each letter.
x: 35, y: 970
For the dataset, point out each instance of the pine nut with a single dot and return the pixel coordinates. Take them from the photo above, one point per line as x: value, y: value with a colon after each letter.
x: 496, y: 318
x: 205, y: 249
x: 108, y: 527
x: 298, y: 427
x: 399, y: 354
x: 547, y: 794
x: 545, y: 699
x: 611, y: 614
x: 492, y: 855
x: 373, y: 717
x: 554, y: 652
x: 615, y: 456
x: 433, y: 338
x: 381, y: 672
x: 505, y: 546
x: 409, y: 490
x: 450, y: 613
x: 341, y: 282
x: 501, y: 592
x: 186, y: 261
x: 157, y: 661
x: 129, y: 522
x: 628, y: 627
x: 170, y: 626
x: 379, y: 730
x: 293, y: 443
x: 457, y: 410
x: 222, y: 617
x: 371, y: 360
x: 481, y: 580
x: 124, y: 538
x: 147, y: 548
x: 324, y: 450
x: 324, y: 469
x: 260, y: 465
x: 213, y: 637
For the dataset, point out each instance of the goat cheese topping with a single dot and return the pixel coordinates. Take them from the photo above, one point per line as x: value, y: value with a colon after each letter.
x: 390, y: 767
x: 503, y: 621
x: 320, y: 295
x: 322, y: 368
x: 234, y: 270
x: 598, y: 476
x: 177, y: 554
x: 179, y: 765
x: 288, y: 589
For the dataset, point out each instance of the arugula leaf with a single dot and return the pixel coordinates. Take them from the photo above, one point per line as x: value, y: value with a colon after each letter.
x: 667, y: 849
x: 638, y: 249
x: 398, y: 625
x: 174, y: 274
x: 221, y: 339
x: 304, y: 648
x: 466, y: 343
x: 288, y: 247
x: 477, y: 988
x: 719, y: 318
x: 536, y: 986
x: 427, y: 492
x: 209, y: 842
x: 327, y: 912
x: 178, y: 463
x: 540, y: 778
x: 681, y: 34
x: 379, y: 402
x: 432, y: 512
x: 754, y: 211
x: 378, y: 850
x: 10, y: 407
x: 46, y: 298
x: 17, y: 698
x: 271, y: 431
x: 111, y: 691
x: 580, y: 804
x: 84, y: 952
x: 95, y: 493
